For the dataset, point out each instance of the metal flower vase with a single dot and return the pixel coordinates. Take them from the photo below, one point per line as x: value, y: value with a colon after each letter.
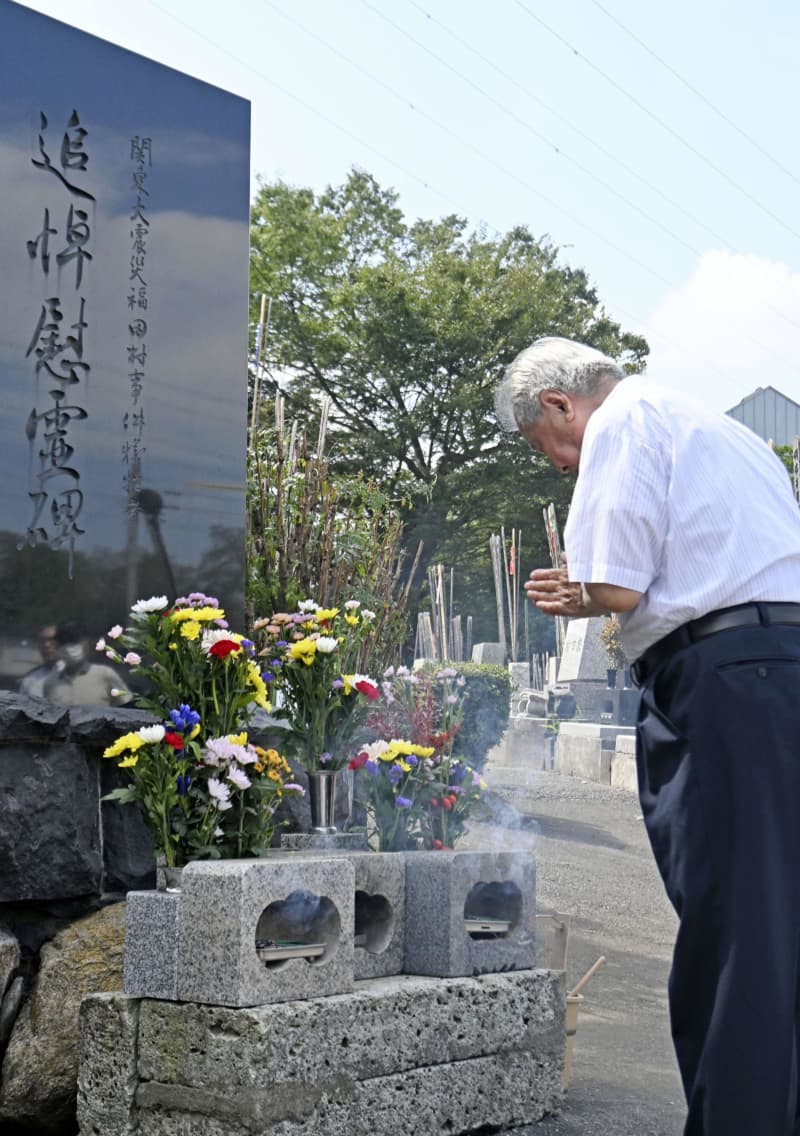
x: 322, y: 785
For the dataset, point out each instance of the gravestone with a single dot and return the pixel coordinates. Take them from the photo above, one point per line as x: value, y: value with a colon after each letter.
x: 584, y: 657
x: 123, y: 339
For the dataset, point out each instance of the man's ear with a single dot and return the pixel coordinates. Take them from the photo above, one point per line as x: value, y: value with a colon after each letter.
x: 558, y: 401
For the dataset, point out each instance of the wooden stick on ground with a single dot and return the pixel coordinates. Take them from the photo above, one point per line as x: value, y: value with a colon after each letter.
x: 590, y: 973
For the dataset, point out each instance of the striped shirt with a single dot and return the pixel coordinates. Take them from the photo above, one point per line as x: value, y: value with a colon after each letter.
x: 685, y: 505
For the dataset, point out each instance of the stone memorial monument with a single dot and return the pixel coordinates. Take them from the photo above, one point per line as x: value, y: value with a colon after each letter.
x: 123, y: 305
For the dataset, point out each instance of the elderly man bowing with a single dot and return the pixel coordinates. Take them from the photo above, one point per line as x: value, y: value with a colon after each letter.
x: 684, y: 523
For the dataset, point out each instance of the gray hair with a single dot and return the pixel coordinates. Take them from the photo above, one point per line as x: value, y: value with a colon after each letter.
x: 550, y: 363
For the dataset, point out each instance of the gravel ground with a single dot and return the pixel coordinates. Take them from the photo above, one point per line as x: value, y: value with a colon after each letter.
x: 594, y: 863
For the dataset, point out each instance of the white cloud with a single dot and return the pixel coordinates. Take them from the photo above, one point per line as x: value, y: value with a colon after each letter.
x: 733, y: 326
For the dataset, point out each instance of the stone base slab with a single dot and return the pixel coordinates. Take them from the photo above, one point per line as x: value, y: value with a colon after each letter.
x: 398, y: 1055
x: 586, y: 749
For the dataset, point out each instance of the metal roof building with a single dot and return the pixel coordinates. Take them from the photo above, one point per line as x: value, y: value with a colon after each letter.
x: 769, y: 414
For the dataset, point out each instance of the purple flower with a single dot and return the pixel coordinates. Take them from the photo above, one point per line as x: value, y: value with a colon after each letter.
x: 267, y: 676
x: 282, y: 643
x: 183, y: 785
x: 337, y: 684
x: 371, y: 768
x: 324, y: 758
x: 395, y: 773
x: 411, y: 759
x: 403, y: 803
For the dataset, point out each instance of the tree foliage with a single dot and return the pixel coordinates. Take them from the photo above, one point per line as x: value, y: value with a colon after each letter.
x: 407, y: 327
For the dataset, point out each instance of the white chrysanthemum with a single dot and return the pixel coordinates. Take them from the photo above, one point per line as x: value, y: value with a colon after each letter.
x: 351, y: 605
x: 219, y: 793
x: 100, y: 645
x: 326, y: 645
x: 212, y: 637
x: 308, y: 606
x: 239, y: 777
x: 151, y: 733
x: 114, y: 632
x: 155, y: 603
x: 367, y: 614
x: 375, y: 749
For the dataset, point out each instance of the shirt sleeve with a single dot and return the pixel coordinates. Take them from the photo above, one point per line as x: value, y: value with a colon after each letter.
x: 617, y: 520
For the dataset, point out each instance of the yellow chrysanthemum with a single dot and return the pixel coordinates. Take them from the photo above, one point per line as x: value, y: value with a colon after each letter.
x: 200, y: 614
x: 128, y: 762
x: 238, y: 739
x: 326, y: 613
x: 305, y: 650
x: 353, y: 620
x: 130, y: 742
x: 190, y: 629
x: 254, y: 679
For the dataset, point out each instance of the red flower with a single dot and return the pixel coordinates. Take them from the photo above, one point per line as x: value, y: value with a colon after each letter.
x: 173, y: 739
x: 367, y: 689
x: 358, y: 761
x: 434, y: 802
x: 222, y: 648
x: 438, y: 846
x: 447, y: 802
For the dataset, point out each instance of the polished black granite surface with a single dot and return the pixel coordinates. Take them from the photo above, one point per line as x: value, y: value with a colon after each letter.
x: 123, y: 334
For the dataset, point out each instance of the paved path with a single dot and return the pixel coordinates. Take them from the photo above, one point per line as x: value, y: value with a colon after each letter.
x: 594, y: 862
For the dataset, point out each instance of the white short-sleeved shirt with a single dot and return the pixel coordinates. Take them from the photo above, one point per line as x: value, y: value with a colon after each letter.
x: 685, y: 505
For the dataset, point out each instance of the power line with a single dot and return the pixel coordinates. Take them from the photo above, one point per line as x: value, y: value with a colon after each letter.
x: 664, y: 125
x: 532, y: 130
x: 619, y: 162
x: 410, y: 105
x: 698, y: 94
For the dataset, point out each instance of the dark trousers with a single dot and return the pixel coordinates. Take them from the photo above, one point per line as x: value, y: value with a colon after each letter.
x: 718, y: 754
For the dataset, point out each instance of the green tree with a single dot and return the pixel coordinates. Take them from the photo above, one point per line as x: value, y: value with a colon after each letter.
x: 407, y: 327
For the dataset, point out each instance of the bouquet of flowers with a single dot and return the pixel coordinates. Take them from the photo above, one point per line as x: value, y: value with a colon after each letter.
x: 308, y: 656
x: 412, y: 797
x: 416, y: 792
x: 205, y: 790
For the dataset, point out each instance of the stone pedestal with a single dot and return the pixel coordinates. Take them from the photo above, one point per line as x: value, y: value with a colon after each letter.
x: 469, y: 912
x: 219, y: 939
x: 402, y: 1054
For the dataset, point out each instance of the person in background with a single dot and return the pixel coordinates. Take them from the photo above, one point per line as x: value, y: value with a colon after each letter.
x: 684, y: 523
x: 32, y: 684
x: 74, y: 681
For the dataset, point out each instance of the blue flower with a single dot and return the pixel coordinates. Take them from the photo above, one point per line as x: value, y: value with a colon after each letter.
x: 403, y: 803
x: 395, y: 773
x: 267, y: 676
x: 184, y: 718
x: 183, y: 785
x: 371, y: 768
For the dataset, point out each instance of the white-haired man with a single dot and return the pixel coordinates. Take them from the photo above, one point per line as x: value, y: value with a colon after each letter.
x: 684, y: 523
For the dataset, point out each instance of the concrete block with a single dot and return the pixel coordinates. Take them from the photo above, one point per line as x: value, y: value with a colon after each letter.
x: 623, y: 765
x: 107, y: 1077
x: 484, y: 1094
x: 381, y: 1060
x: 450, y: 894
x: 379, y: 909
x: 151, y: 944
x: 385, y: 1026
x: 231, y: 910
x: 586, y: 749
x: 324, y: 842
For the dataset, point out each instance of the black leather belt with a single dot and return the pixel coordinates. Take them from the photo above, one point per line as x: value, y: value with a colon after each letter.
x: 726, y: 619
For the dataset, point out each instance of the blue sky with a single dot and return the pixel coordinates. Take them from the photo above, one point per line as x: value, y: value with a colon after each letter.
x: 655, y: 144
